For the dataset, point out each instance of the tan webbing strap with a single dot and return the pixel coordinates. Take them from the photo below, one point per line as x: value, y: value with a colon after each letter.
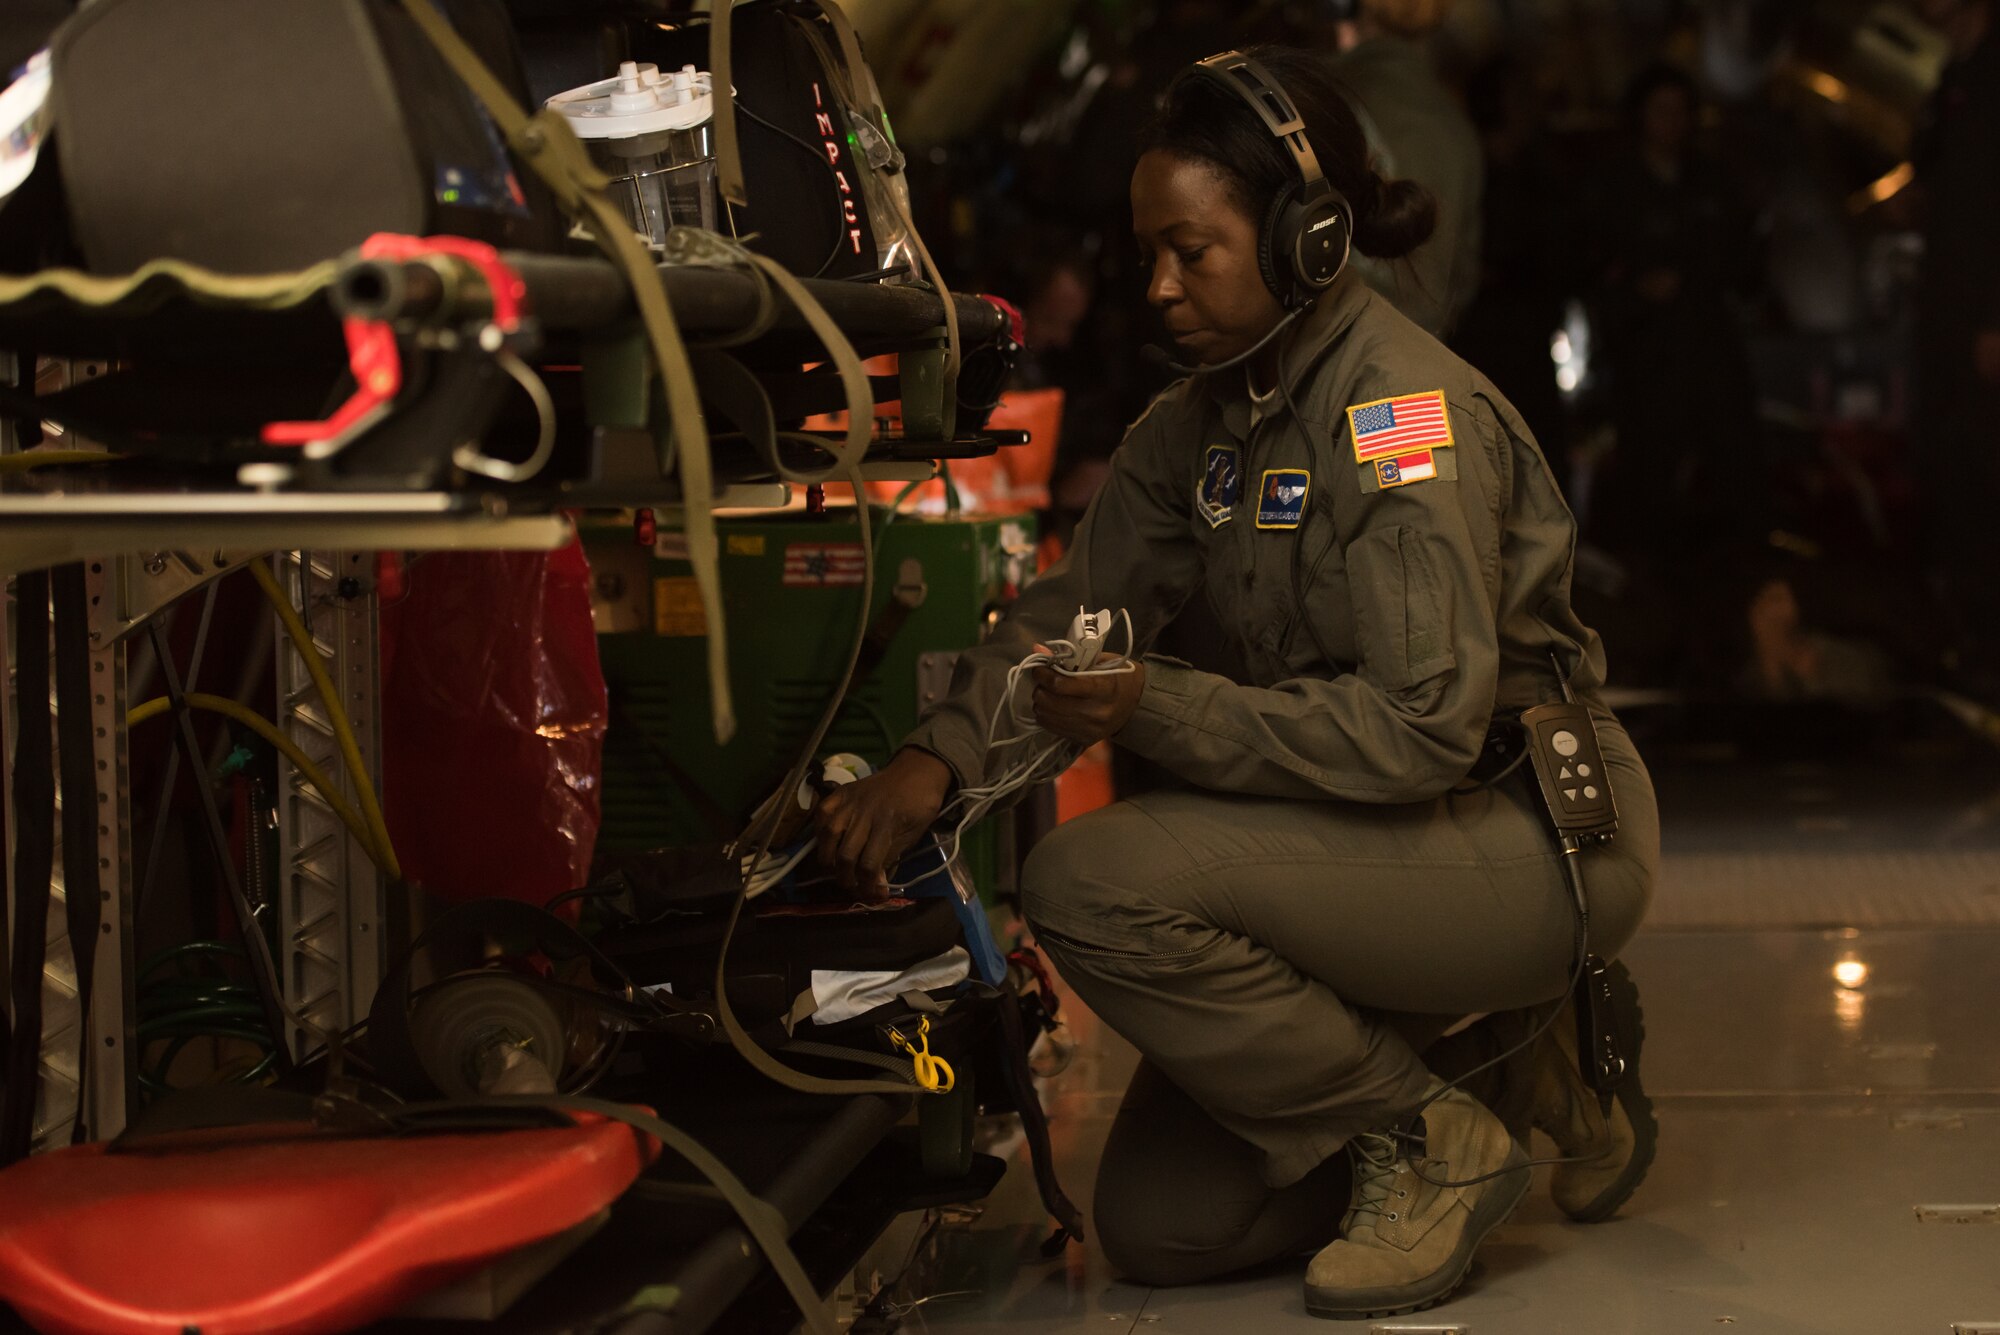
x: 853, y: 376
x: 728, y: 155
x: 857, y: 74
x: 953, y: 357
x: 762, y: 831
x: 760, y: 1218
x: 697, y: 474
x: 160, y: 281
x: 551, y: 149
x: 867, y: 95
x: 698, y: 246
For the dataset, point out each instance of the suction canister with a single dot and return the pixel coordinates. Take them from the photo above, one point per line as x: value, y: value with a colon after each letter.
x: 653, y: 133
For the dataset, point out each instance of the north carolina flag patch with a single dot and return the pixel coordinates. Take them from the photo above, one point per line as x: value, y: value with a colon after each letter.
x: 1403, y: 469
x: 1388, y: 428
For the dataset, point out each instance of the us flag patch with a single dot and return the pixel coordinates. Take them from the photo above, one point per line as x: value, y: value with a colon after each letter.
x: 1387, y: 428
x: 812, y: 564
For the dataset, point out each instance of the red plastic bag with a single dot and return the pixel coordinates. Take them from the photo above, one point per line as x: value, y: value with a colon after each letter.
x: 493, y: 718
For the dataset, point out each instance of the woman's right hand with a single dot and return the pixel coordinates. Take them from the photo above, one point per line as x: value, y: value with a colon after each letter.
x: 866, y: 825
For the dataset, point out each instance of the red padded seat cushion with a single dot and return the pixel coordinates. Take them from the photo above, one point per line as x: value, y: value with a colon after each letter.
x: 269, y: 1230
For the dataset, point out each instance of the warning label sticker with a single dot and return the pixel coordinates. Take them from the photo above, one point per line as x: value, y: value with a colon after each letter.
x: 677, y: 607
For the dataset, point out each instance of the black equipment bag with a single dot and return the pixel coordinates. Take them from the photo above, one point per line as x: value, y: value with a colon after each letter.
x: 980, y: 1031
x: 775, y: 953
x: 808, y: 205
x: 252, y: 137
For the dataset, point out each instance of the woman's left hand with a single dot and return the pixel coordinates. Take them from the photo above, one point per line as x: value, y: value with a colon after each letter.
x: 1087, y: 709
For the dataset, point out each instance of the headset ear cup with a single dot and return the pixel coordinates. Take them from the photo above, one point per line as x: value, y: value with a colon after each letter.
x: 1322, y: 238
x: 1277, y: 244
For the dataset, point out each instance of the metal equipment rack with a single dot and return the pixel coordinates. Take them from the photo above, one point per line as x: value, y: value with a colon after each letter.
x: 144, y: 549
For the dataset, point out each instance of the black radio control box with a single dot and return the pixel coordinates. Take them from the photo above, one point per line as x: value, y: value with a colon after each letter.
x: 1562, y: 742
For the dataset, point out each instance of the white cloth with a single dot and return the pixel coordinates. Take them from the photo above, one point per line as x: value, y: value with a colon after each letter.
x: 841, y: 995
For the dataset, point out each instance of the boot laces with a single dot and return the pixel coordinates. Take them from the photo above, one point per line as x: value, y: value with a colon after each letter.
x: 1376, y: 1155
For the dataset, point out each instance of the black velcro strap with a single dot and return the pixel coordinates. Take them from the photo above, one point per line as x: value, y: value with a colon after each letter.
x: 34, y: 859
x: 80, y: 814
x: 1034, y: 1123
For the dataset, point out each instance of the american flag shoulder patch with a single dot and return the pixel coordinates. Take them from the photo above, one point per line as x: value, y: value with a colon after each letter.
x: 1387, y: 428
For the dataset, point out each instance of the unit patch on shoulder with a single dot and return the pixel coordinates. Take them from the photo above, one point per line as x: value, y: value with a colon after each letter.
x: 1403, y: 469
x: 1388, y: 428
x: 1281, y: 497
x: 1221, y: 485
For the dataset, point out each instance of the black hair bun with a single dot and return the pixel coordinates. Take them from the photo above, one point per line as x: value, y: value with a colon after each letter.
x: 1403, y: 216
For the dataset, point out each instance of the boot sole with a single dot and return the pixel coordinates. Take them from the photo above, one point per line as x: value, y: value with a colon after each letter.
x: 1631, y: 1095
x: 1495, y: 1205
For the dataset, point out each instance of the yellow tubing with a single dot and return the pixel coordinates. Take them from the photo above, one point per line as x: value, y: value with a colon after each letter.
x: 29, y: 460
x: 381, y: 855
x: 343, y: 731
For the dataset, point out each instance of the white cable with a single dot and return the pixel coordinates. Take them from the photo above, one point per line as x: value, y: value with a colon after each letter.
x: 977, y: 802
x: 1108, y: 664
x: 775, y: 870
x: 1118, y: 668
x: 474, y: 460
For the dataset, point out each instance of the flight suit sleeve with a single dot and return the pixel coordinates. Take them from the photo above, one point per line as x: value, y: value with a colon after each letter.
x: 1134, y: 549
x: 1421, y: 573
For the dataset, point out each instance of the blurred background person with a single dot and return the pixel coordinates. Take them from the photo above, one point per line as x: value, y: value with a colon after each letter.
x: 1675, y: 245
x: 1061, y: 296
x: 1416, y: 129
x: 1957, y: 352
x: 1526, y: 235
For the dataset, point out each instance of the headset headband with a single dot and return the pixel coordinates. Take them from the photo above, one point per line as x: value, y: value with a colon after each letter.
x: 1267, y: 97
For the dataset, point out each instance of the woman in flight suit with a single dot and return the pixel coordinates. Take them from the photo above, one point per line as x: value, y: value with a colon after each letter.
x: 1327, y: 892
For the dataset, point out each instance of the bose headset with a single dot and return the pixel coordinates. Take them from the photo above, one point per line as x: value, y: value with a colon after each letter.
x: 1309, y: 230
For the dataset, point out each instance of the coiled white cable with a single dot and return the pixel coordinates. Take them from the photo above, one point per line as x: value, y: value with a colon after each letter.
x: 971, y: 805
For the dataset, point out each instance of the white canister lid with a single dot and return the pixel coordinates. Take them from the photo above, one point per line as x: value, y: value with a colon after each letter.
x: 639, y: 99
x: 25, y: 117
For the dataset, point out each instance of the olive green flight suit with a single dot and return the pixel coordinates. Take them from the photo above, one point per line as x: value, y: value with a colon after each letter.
x: 1260, y: 935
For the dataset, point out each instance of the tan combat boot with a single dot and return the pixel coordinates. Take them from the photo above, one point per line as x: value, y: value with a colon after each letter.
x: 1619, y: 1148
x: 1406, y: 1242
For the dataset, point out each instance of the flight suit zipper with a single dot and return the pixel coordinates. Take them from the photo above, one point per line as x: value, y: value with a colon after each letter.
x: 1296, y: 613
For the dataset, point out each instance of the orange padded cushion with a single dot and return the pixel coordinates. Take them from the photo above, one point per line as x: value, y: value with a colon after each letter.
x: 262, y: 1229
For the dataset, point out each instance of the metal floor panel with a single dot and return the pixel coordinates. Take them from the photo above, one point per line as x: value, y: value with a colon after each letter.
x: 1797, y: 889
x: 1803, y: 1123
x: 1792, y: 1160
x: 1778, y: 1222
